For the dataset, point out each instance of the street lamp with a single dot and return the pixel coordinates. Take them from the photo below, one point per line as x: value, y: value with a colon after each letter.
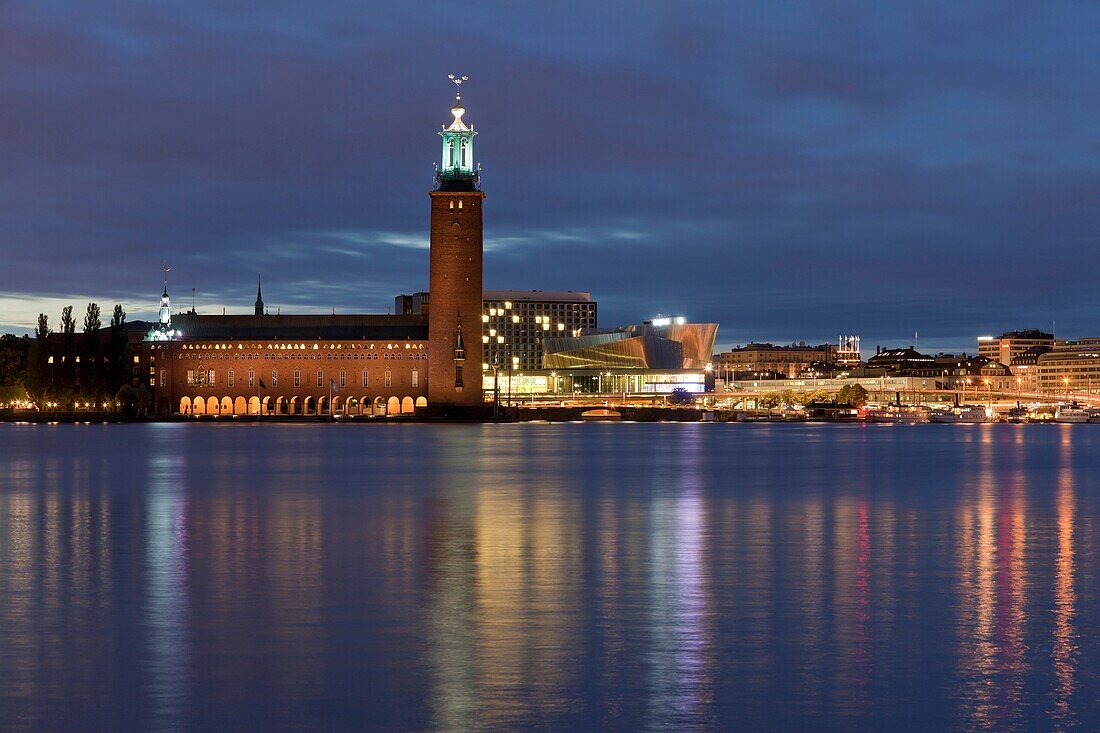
x: 513, y: 364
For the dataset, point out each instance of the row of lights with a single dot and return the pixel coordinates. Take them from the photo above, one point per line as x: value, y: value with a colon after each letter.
x: 284, y: 347
x: 543, y: 321
x: 27, y: 404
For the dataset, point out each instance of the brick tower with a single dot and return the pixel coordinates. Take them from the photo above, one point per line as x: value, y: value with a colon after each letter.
x: 454, y: 317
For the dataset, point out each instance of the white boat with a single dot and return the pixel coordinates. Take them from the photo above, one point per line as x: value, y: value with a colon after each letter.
x: 1094, y: 416
x: 963, y: 414
x: 1071, y: 414
x: 895, y: 414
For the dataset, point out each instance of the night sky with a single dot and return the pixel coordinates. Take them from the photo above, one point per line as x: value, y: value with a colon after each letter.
x: 791, y: 171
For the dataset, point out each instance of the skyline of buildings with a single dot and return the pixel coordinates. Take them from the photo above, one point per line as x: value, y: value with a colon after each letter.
x: 448, y: 346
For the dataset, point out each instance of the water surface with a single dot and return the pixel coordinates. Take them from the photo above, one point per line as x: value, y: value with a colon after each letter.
x: 627, y: 577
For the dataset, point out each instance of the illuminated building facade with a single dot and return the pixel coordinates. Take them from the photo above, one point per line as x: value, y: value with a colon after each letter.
x: 1025, y: 367
x: 654, y: 357
x: 515, y: 323
x: 1009, y: 345
x: 293, y: 365
x: 1073, y: 366
x: 264, y: 364
x: 770, y: 359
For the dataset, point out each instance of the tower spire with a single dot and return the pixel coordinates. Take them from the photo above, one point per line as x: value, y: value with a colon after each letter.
x: 457, y: 171
x: 259, y: 298
x: 162, y: 330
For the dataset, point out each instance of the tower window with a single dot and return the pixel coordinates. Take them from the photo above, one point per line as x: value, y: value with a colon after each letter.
x: 389, y: 378
x: 297, y: 377
x: 460, y: 204
x: 274, y: 378
x: 415, y: 378
x: 452, y: 204
x: 343, y: 379
x: 251, y: 377
x: 320, y: 378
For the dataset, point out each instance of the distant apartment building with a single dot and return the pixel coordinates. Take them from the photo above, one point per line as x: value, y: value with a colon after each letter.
x: 1009, y: 345
x: 766, y: 358
x: 1025, y: 367
x: 1072, y: 366
x: 516, y: 322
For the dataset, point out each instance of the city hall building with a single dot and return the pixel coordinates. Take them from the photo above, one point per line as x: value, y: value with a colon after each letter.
x: 263, y: 364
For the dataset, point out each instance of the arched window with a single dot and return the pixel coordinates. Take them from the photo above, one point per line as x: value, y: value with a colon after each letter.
x: 465, y: 148
x: 460, y: 204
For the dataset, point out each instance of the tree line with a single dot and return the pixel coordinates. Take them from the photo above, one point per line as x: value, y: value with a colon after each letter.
x: 93, y: 371
x: 850, y: 394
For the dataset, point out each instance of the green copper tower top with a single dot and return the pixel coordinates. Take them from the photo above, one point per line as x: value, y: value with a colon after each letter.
x: 457, y: 171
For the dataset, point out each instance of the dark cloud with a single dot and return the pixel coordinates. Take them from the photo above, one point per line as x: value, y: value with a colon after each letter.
x: 787, y: 172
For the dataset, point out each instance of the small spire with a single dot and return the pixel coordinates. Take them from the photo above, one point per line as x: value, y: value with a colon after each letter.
x: 259, y: 298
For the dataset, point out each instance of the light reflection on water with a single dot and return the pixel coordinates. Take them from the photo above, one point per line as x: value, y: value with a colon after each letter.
x: 582, y: 577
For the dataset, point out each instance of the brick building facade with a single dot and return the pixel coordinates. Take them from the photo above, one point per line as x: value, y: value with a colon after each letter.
x: 292, y: 365
x: 352, y: 365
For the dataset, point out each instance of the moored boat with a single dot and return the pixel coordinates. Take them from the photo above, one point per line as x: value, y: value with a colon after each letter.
x: 944, y: 416
x: 601, y: 414
x: 964, y: 414
x: 895, y: 414
x: 1071, y: 414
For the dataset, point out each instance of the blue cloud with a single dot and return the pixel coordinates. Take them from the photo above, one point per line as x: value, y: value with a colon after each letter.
x: 789, y: 171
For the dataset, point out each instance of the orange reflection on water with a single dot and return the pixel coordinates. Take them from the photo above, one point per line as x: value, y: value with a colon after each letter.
x: 992, y: 596
x: 527, y: 567
x: 1065, y: 652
